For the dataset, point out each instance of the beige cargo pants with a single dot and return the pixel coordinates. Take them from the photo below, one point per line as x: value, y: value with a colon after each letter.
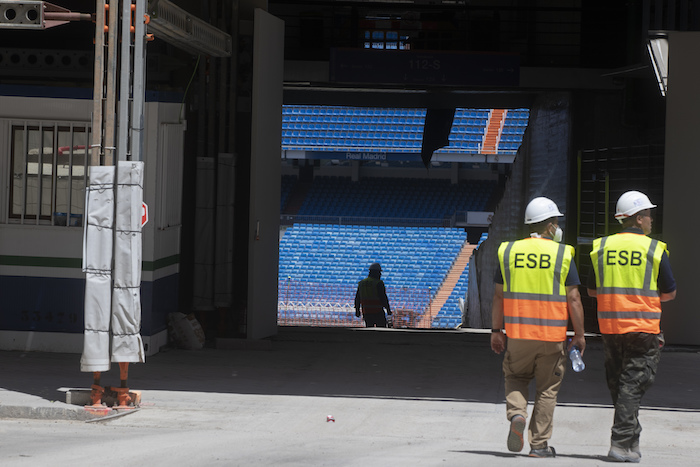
x: 545, y: 362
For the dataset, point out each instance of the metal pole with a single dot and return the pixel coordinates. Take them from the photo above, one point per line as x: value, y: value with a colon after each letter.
x: 54, y: 178
x: 430, y: 305
x: 110, y: 99
x: 124, y: 81
x: 139, y: 79
x: 233, y: 72
x: 289, y: 280
x: 579, y: 195
x: 98, y: 89
x: 211, y: 109
x: 70, y: 175
x: 607, y: 202
x: 40, y: 173
x: 97, y: 268
x: 222, y: 104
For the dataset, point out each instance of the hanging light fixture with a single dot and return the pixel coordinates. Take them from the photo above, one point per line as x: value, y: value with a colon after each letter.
x: 657, y: 46
x: 174, y: 25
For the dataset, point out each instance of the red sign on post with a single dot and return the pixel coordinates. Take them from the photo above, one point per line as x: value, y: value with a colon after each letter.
x: 144, y: 214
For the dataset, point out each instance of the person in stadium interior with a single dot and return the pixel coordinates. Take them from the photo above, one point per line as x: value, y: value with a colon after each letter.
x: 632, y: 276
x: 536, y: 290
x: 371, y: 298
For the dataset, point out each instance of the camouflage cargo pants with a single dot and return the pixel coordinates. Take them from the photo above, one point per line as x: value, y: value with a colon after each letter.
x: 631, y: 361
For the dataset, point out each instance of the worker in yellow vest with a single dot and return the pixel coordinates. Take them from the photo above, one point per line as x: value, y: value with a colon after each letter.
x: 536, y: 291
x: 632, y: 276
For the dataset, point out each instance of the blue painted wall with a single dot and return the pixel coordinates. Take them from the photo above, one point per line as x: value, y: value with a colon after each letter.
x: 47, y: 304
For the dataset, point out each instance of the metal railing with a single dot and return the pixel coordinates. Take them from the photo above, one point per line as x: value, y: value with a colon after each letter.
x: 290, y: 219
x: 457, y: 219
x: 302, y: 303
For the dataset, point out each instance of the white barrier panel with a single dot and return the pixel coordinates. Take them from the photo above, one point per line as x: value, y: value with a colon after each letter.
x: 113, y: 296
x: 127, y: 345
x: 97, y: 265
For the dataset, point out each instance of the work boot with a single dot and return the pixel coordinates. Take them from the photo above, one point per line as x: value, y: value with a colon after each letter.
x: 547, y: 451
x: 619, y: 454
x: 515, y: 435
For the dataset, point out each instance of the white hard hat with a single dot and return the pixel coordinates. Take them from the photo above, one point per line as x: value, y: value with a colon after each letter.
x: 630, y: 203
x: 540, y: 209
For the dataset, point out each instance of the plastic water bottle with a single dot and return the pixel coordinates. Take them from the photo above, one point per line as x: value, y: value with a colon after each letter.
x: 576, y: 360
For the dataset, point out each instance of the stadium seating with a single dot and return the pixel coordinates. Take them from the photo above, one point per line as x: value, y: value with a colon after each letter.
x: 513, y: 129
x: 411, y: 256
x: 415, y: 261
x: 333, y: 128
x: 320, y: 264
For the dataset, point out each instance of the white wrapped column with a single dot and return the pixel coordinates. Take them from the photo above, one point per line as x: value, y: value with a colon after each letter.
x: 127, y: 345
x: 97, y: 265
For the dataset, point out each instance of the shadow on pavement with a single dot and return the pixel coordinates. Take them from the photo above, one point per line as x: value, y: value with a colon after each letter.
x: 421, y: 365
x: 508, y: 455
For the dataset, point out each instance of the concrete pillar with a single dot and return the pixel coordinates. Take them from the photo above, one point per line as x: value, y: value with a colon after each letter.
x: 680, y: 319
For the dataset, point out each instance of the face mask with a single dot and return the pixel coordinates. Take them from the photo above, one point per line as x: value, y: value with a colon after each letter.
x: 558, y: 234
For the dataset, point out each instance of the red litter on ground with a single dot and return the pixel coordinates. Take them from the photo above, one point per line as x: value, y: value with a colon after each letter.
x: 330, y: 418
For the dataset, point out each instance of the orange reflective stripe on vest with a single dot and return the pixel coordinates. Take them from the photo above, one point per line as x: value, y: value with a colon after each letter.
x: 534, y: 291
x: 530, y: 324
x: 627, y: 267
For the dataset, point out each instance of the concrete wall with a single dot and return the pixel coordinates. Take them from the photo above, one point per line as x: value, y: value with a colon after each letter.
x: 681, y: 319
x: 266, y: 139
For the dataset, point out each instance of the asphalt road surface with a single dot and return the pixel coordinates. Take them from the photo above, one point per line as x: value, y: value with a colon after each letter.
x: 395, y: 399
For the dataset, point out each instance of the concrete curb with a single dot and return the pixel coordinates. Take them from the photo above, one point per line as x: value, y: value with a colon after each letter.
x: 46, y: 413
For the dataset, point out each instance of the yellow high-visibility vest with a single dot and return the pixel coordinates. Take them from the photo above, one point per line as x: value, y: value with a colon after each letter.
x: 626, y: 266
x: 534, y: 288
